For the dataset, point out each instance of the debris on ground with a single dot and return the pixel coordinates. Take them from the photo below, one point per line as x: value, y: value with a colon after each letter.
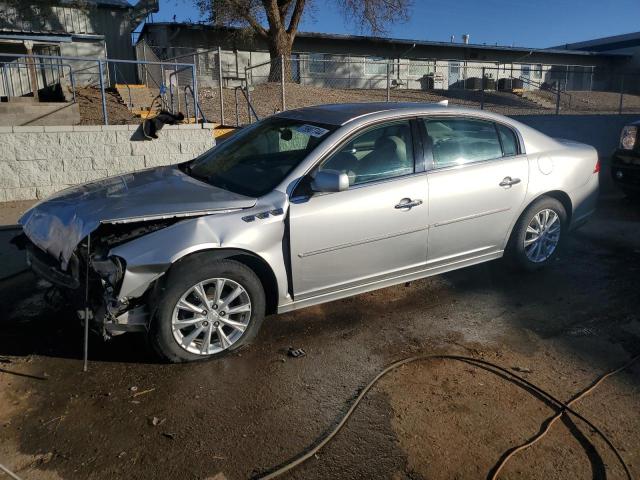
x: 521, y: 369
x: 143, y: 392
x: 296, y: 352
x: 155, y: 421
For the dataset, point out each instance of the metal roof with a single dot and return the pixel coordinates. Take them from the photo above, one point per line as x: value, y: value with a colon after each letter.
x: 393, y: 41
x: 604, y: 44
x: 106, y: 3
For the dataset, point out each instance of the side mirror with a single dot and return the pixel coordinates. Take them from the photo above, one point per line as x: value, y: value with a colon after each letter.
x: 330, y: 181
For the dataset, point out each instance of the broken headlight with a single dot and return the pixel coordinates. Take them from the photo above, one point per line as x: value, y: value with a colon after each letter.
x: 110, y: 269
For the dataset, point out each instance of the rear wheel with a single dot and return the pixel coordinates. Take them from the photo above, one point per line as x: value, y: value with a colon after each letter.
x: 207, y: 309
x: 538, y: 234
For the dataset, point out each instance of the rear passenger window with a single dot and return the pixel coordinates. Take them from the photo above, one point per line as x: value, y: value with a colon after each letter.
x: 456, y: 141
x: 508, y: 139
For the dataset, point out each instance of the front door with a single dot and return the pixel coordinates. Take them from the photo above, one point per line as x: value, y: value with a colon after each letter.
x: 477, y: 185
x: 375, y: 229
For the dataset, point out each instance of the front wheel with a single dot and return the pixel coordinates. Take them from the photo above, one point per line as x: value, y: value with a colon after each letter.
x: 207, y: 308
x: 538, y: 234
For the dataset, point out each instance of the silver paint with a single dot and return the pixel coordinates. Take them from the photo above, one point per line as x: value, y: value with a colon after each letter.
x: 341, y: 243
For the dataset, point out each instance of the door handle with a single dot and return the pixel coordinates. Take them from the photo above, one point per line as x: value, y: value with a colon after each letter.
x: 408, y: 204
x: 508, y: 181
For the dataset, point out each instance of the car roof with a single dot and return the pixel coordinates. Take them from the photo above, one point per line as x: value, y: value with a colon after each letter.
x: 343, y: 113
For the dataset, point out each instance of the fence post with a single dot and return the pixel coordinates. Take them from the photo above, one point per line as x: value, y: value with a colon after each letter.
x: 145, y: 66
x: 558, y: 98
x: 621, y: 94
x: 282, y: 72
x: 104, y: 99
x: 237, y: 112
x: 482, y: 90
x: 220, y: 86
x: 194, y: 83
x: 246, y: 79
x: 388, y: 82
x: 175, y: 75
x: 6, y: 81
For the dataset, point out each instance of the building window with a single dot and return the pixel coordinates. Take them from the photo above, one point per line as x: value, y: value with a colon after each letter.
x: 420, y: 68
x: 537, y: 71
x: 375, y: 66
x: 317, y: 63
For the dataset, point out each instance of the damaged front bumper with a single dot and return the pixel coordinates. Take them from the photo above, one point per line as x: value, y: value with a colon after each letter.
x: 108, y: 315
x: 46, y: 267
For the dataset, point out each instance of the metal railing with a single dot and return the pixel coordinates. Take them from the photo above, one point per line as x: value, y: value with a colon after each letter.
x: 304, y: 79
x: 250, y: 109
x: 8, y: 84
x: 102, y: 73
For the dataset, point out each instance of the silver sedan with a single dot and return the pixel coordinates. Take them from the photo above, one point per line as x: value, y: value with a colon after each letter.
x: 305, y: 207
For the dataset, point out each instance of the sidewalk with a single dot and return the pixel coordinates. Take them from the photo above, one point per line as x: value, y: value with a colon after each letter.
x: 11, y: 211
x: 12, y: 260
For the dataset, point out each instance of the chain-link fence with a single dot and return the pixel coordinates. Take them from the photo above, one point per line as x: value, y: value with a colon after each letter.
x: 238, y: 87
x: 106, y: 89
x: 508, y: 89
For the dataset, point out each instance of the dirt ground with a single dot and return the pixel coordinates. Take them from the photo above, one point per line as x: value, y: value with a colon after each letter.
x: 241, y: 415
x: 11, y: 211
x: 90, y: 102
x: 266, y: 99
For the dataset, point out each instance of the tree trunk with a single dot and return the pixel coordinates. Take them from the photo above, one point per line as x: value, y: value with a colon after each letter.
x: 280, y: 44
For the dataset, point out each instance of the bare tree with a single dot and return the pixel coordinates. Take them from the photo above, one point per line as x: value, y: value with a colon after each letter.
x: 276, y: 21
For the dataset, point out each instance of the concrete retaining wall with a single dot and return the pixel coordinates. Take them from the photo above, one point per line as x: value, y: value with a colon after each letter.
x: 38, y: 161
x: 601, y: 131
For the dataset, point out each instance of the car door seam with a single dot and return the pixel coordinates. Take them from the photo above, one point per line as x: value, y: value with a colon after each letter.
x: 360, y: 242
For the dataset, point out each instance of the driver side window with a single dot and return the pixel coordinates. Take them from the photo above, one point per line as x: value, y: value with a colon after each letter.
x: 380, y: 152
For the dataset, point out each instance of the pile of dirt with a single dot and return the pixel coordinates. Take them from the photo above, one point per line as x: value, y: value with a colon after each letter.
x: 90, y: 101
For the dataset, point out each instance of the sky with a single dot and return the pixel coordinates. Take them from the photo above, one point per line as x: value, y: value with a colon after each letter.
x: 530, y: 23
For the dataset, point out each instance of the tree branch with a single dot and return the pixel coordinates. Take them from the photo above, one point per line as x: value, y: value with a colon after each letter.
x: 250, y: 19
x: 273, y: 14
x: 295, y: 18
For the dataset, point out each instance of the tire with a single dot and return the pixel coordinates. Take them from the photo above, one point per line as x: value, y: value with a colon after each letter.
x: 177, y: 344
x: 524, y: 257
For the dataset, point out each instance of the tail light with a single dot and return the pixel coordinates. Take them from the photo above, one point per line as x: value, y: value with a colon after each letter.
x: 596, y: 169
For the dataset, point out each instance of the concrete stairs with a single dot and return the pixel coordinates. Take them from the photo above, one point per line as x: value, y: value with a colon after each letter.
x: 28, y: 112
x: 139, y: 99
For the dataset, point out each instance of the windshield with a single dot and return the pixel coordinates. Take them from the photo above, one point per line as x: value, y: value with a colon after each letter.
x: 255, y: 161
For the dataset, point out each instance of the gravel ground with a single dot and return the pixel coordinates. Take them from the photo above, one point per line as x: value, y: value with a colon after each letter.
x: 561, y: 327
x: 266, y: 99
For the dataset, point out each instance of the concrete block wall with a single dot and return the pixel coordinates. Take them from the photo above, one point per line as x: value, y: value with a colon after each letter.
x: 36, y: 162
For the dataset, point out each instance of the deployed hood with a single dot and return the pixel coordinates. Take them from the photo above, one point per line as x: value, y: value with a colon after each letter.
x: 58, y: 224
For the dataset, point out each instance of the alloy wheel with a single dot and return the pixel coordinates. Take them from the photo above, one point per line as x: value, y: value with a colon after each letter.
x: 542, y: 236
x: 211, y: 316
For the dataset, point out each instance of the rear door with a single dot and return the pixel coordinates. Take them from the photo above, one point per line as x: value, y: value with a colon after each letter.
x: 477, y: 182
